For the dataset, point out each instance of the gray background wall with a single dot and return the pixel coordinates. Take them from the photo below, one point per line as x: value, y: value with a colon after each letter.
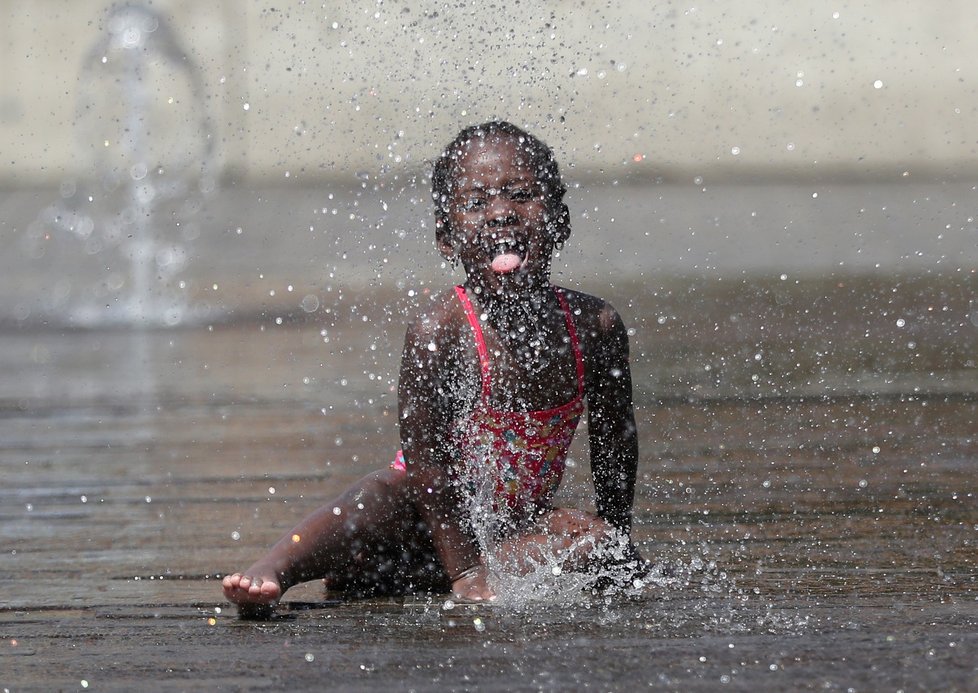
x: 308, y: 90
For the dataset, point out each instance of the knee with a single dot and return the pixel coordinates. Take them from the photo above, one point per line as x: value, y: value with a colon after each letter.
x: 578, y: 524
x: 384, y: 482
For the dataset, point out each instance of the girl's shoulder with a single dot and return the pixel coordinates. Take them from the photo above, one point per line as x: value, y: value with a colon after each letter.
x: 592, y: 313
x: 437, y: 316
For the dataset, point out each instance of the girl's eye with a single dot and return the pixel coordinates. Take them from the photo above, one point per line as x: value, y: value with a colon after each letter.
x: 478, y: 201
x: 523, y: 194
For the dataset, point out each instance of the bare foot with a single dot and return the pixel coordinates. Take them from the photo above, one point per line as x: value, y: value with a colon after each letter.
x: 255, y: 591
x: 473, y: 586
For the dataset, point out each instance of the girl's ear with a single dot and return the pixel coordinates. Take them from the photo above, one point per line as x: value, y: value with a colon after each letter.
x: 443, y: 240
x: 563, y: 228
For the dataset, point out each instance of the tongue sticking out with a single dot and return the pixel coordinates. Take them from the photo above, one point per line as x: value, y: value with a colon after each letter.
x: 506, y: 262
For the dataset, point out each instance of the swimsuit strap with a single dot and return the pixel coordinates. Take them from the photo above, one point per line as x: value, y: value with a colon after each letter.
x: 480, y: 341
x: 575, y: 343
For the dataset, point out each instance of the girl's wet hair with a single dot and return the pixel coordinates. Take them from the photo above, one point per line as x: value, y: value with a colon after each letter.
x: 541, y: 158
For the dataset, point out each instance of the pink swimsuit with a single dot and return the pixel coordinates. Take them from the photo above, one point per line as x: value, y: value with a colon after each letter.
x: 529, y: 449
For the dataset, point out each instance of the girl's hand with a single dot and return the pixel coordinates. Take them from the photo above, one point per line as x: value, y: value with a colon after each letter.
x: 472, y: 585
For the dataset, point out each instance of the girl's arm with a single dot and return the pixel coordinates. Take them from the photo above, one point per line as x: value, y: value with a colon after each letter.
x: 425, y: 412
x: 611, y: 420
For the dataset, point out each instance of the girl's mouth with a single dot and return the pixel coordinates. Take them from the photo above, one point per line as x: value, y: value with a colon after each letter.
x: 507, y: 256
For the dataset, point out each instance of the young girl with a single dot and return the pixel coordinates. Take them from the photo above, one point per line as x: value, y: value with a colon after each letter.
x: 493, y: 380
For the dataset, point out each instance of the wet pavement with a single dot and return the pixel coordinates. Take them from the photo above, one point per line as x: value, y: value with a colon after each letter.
x: 808, y: 470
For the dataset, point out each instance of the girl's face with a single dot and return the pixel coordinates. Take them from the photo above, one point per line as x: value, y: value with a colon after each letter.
x: 498, y: 218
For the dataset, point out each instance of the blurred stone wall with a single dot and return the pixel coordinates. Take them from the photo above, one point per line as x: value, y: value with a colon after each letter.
x: 304, y: 90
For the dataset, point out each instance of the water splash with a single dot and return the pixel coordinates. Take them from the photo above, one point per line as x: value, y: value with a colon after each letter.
x: 551, y: 583
x: 552, y: 577
x: 119, y: 238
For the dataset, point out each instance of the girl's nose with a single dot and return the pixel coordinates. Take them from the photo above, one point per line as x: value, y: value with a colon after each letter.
x: 500, y: 211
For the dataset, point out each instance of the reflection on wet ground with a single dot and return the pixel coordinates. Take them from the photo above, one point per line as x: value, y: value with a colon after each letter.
x: 808, y: 470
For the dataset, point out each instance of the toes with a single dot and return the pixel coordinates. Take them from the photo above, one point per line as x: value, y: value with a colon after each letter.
x: 243, y: 589
x: 232, y: 583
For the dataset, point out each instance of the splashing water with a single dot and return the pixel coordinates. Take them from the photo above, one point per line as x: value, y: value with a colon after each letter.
x: 547, y: 577
x: 550, y: 582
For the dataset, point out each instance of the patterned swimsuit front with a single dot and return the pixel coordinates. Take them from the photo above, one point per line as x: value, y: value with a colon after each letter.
x: 526, y: 451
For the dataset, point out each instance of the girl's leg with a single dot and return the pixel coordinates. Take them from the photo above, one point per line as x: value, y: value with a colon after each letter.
x: 375, y: 516
x: 565, y: 534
